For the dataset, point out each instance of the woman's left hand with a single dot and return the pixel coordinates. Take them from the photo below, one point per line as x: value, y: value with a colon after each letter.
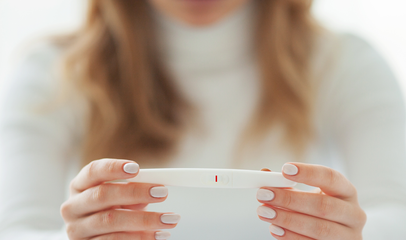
x: 331, y: 213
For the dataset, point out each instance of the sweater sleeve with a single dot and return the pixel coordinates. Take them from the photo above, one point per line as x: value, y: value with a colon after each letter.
x: 37, y: 140
x: 365, y: 113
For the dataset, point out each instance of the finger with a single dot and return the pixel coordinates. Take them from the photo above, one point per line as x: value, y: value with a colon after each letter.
x: 303, y: 224
x: 108, y: 195
x: 280, y: 233
x: 330, y: 181
x: 134, y: 236
x: 318, y: 205
x: 103, y: 170
x: 122, y: 221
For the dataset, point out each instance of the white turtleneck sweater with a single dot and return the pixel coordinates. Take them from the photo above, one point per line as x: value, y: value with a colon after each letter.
x: 360, y: 122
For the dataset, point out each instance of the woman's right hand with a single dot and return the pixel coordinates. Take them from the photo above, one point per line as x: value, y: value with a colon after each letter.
x: 103, y: 211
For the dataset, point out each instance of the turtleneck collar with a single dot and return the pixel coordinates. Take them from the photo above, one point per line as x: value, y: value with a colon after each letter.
x: 222, y: 45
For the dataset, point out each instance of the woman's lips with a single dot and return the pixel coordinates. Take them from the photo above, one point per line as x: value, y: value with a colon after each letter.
x: 201, y: 2
x: 208, y: 1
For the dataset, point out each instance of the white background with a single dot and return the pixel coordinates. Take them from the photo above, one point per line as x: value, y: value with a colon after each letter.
x: 382, y: 23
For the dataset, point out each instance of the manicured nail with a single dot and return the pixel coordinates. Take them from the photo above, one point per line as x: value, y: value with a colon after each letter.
x: 290, y: 169
x: 266, y: 212
x: 158, y: 192
x: 276, y: 230
x: 162, y: 235
x: 170, y: 218
x: 131, y: 168
x: 265, y: 195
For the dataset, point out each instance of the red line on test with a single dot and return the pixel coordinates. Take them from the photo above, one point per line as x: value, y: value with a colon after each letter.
x: 216, y: 178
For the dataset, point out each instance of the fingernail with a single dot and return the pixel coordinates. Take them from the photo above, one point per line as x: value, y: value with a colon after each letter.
x: 162, y: 235
x: 266, y: 212
x: 265, y: 195
x: 158, y: 192
x: 290, y: 169
x: 170, y: 218
x: 276, y: 230
x: 131, y: 168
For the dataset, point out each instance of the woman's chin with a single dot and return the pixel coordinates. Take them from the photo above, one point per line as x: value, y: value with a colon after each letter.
x: 197, y: 13
x: 201, y: 21
x: 201, y: 13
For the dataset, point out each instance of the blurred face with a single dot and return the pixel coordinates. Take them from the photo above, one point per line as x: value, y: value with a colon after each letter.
x: 197, y: 12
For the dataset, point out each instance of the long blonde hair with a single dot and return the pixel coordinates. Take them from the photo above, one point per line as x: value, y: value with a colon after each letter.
x: 135, y: 110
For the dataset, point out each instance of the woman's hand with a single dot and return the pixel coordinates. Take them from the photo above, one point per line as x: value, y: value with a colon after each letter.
x: 102, y: 211
x: 331, y: 213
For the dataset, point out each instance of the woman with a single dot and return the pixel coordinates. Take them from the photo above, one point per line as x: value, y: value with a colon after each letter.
x: 217, y: 84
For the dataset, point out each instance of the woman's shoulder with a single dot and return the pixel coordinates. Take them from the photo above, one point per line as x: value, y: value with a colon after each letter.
x: 43, y: 54
x: 35, y: 64
x: 36, y: 77
x: 35, y: 93
x: 36, y: 69
x: 350, y: 73
x: 342, y: 56
x: 354, y: 48
x: 44, y: 51
x: 329, y: 40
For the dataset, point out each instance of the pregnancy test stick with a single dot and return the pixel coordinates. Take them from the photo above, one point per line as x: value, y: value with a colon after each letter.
x: 212, y: 178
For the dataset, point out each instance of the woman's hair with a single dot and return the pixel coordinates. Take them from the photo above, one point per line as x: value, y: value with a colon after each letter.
x: 137, y: 113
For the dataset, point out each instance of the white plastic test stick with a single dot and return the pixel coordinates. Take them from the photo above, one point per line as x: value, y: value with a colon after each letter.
x: 212, y: 178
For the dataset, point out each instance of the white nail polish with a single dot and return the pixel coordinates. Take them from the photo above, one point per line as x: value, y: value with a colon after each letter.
x: 266, y: 212
x: 290, y: 169
x: 158, y: 192
x: 276, y: 230
x: 162, y: 235
x: 131, y: 168
x: 170, y: 218
x: 265, y: 195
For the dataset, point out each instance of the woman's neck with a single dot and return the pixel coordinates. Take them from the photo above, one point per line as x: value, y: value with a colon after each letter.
x: 220, y: 46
